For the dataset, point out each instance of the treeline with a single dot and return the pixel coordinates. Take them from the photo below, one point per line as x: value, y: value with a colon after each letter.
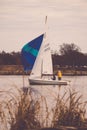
x: 69, y: 55
x: 73, y: 61
x: 13, y: 58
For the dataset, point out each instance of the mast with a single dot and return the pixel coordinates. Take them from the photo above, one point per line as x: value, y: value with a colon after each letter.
x: 47, y: 59
x: 45, y: 26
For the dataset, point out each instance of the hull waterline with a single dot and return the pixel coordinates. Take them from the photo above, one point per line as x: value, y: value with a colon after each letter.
x: 47, y: 82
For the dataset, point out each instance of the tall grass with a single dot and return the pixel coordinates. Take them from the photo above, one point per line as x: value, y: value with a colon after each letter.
x: 26, y: 111
x: 23, y: 110
x: 70, y: 111
x: 19, y: 112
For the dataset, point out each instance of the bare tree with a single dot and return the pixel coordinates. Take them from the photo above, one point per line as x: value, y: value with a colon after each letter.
x: 71, y: 53
x: 68, y: 48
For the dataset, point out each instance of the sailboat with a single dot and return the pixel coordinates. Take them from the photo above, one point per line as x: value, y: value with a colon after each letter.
x: 36, y: 57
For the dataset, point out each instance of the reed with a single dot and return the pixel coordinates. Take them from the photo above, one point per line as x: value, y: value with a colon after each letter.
x: 69, y: 112
x: 19, y: 111
x: 26, y: 111
x: 31, y: 112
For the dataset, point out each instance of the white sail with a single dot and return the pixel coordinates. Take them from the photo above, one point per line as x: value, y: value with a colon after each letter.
x: 36, y: 71
x: 47, y: 59
x: 43, y: 63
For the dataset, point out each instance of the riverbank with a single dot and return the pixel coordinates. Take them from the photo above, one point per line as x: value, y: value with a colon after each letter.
x: 11, y: 70
x: 18, y: 70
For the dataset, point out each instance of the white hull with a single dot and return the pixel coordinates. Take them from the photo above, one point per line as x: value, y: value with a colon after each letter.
x: 47, y: 82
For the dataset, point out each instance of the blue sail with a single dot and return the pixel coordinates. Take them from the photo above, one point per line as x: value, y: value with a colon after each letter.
x: 30, y: 51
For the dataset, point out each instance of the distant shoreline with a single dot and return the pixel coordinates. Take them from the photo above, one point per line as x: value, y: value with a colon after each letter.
x: 18, y: 70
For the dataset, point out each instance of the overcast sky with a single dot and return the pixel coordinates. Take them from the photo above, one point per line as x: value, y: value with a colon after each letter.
x: 23, y: 20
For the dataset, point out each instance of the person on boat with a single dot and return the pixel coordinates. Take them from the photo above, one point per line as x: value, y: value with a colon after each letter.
x: 54, y: 77
x: 59, y: 74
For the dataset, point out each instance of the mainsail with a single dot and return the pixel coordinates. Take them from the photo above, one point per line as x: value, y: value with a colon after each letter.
x: 43, y: 62
x: 30, y: 51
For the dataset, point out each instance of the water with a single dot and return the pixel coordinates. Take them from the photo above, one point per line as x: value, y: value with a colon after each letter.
x: 12, y: 83
x: 79, y: 83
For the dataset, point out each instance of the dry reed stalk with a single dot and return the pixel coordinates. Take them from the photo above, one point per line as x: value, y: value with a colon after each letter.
x: 72, y: 114
x: 27, y: 112
x: 19, y: 111
x: 44, y: 110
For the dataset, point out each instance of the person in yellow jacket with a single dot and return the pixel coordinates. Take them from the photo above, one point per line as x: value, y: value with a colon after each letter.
x: 59, y: 74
